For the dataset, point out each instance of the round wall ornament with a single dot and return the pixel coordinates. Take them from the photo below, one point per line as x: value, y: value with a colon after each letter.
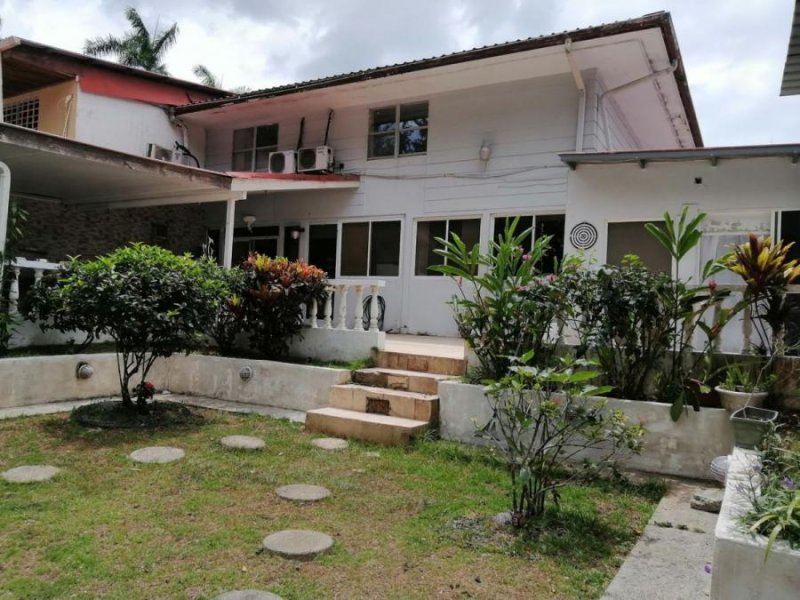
x: 583, y: 236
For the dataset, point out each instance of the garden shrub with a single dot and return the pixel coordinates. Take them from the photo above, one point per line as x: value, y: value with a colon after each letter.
x: 277, y: 292
x: 230, y: 319
x: 504, y: 307
x: 542, y: 420
x: 151, y: 302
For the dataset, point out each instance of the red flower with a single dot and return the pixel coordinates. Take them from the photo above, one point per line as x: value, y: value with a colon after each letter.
x: 149, y: 386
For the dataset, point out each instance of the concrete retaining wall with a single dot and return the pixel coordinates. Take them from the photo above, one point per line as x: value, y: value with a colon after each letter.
x: 41, y: 379
x: 739, y: 569
x: 335, y: 344
x: 685, y: 448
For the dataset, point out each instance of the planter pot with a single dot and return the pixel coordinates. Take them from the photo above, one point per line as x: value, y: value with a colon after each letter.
x: 735, y: 400
x: 750, y: 425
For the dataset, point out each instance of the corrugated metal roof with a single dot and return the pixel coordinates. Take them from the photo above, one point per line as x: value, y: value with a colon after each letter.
x: 791, y: 72
x: 661, y: 20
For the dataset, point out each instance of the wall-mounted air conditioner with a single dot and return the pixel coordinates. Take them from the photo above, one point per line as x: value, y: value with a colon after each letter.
x: 315, y: 159
x: 160, y: 153
x: 284, y: 161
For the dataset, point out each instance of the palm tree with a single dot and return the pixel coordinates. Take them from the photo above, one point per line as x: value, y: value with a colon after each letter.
x: 138, y: 47
x: 206, y: 77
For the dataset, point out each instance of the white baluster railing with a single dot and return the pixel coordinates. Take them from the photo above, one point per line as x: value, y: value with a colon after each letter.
x: 17, y: 266
x: 340, y: 296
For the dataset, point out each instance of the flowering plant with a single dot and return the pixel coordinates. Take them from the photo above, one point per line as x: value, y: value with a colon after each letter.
x: 144, y: 391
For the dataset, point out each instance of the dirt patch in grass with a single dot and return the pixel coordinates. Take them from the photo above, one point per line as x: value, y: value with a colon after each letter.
x: 111, y: 528
x: 112, y: 414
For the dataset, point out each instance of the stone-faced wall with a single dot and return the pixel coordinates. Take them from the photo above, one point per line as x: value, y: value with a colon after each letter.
x: 55, y: 230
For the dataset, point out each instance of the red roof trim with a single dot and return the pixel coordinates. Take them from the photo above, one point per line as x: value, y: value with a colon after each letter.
x: 292, y: 176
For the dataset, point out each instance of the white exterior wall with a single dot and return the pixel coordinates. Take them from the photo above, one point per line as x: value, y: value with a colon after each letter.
x: 526, y: 123
x: 125, y: 125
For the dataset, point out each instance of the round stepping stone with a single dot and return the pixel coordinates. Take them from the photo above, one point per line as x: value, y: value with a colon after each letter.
x: 298, y: 544
x: 247, y: 595
x: 330, y: 443
x: 30, y: 473
x: 303, y: 493
x: 243, y: 442
x: 157, y: 454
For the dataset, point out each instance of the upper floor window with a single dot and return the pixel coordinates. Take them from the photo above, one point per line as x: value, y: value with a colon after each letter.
x: 398, y: 130
x: 251, y: 147
x: 24, y: 113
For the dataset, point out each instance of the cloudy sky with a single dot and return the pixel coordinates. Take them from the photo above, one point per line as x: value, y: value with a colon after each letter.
x: 733, y: 50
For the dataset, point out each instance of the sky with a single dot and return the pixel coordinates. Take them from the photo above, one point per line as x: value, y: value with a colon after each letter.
x: 733, y: 50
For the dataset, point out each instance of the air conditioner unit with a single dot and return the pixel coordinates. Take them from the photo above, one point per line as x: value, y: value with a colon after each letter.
x: 315, y: 159
x: 284, y: 161
x: 160, y: 153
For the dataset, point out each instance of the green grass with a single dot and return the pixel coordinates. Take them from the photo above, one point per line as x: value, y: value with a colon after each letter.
x: 408, y: 523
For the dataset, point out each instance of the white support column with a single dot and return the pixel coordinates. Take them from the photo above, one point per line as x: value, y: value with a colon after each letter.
x: 5, y: 200
x: 373, y: 308
x: 359, y: 309
x: 341, y: 290
x: 230, y: 224
x: 328, y: 307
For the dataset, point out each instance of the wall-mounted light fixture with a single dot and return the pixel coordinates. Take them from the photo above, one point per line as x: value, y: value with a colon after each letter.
x: 249, y: 220
x: 485, y: 153
x: 295, y: 232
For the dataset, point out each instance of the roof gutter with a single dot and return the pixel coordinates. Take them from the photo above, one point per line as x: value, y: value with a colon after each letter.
x: 576, y: 75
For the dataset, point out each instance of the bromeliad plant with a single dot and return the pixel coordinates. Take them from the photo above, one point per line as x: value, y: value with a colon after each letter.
x: 504, y: 307
x: 695, y: 311
x: 151, y: 302
x: 545, y: 419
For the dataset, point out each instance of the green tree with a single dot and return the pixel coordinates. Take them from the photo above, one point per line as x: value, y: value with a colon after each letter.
x: 151, y: 302
x: 207, y: 77
x: 139, y: 47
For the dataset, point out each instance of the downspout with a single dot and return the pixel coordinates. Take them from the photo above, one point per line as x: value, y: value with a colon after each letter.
x: 576, y: 74
x: 650, y: 76
x: 5, y: 200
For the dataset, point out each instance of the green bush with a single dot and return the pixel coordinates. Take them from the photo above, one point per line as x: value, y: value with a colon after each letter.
x: 543, y: 419
x: 151, y: 302
x: 504, y: 307
x: 230, y: 319
x: 277, y: 292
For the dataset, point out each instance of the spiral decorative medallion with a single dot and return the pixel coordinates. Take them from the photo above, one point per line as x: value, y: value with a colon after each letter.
x: 583, y: 236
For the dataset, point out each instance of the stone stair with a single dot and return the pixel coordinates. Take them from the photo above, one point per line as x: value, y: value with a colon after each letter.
x: 388, y: 404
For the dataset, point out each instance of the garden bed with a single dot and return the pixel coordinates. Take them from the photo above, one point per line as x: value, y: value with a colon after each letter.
x: 740, y: 571
x: 407, y: 523
x: 684, y: 448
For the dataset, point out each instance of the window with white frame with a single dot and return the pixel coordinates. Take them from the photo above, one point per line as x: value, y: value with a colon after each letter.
x: 788, y: 230
x: 398, y: 130
x: 469, y: 230
x: 251, y: 147
x: 24, y: 113
x: 540, y: 225
x: 721, y: 232
x: 370, y: 248
x: 631, y: 237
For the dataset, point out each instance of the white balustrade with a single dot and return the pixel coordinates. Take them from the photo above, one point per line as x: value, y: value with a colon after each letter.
x: 17, y: 266
x: 340, y: 294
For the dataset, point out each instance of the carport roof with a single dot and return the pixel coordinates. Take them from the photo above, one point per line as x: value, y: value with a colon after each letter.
x: 54, y: 168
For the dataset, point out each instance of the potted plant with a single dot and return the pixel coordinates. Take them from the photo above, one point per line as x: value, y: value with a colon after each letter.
x: 742, y: 387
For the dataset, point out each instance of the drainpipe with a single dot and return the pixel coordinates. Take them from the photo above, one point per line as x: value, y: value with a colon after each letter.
x: 576, y: 74
x: 649, y: 77
x: 5, y: 199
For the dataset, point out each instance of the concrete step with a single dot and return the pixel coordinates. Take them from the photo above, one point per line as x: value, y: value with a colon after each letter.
x: 399, y: 379
x: 420, y: 363
x: 381, y: 429
x: 382, y: 401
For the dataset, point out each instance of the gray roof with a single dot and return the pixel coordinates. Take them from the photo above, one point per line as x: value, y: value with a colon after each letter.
x: 791, y: 72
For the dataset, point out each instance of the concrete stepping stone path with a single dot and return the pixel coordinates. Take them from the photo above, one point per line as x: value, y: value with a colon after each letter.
x: 243, y: 442
x: 247, y: 595
x: 30, y: 473
x: 330, y: 443
x: 298, y: 544
x: 157, y: 454
x: 303, y: 493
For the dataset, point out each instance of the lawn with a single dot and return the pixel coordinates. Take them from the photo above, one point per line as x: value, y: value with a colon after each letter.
x: 408, y: 523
